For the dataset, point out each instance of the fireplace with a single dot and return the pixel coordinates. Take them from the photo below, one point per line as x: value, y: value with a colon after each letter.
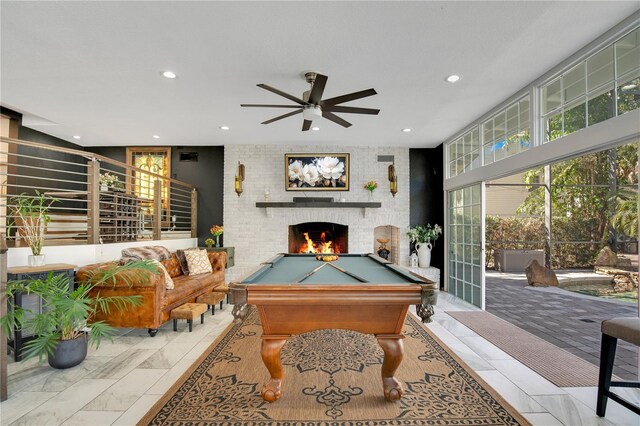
x: 318, y: 237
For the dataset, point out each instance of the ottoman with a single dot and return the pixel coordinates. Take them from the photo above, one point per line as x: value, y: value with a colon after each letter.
x: 188, y: 311
x: 211, y: 299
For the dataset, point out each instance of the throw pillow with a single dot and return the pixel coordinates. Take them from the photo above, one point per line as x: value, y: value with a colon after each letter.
x: 167, y: 278
x: 183, y: 260
x: 172, y: 266
x: 198, y: 262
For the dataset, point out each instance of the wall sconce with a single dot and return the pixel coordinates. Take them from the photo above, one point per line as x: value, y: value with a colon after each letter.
x: 393, y: 180
x: 239, y: 178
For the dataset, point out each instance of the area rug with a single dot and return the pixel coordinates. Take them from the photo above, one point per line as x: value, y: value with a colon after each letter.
x: 560, y: 367
x: 332, y: 377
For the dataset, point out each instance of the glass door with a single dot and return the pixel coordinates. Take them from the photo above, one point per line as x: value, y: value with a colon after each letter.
x: 465, y: 274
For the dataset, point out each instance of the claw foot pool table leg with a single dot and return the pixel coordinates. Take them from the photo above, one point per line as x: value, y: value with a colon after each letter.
x: 393, y: 349
x: 271, y: 346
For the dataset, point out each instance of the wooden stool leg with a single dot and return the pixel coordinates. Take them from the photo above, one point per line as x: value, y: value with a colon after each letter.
x: 175, y: 325
x: 202, y: 319
x: 607, y: 356
x: 212, y: 309
x: 221, y: 305
x: 190, y: 325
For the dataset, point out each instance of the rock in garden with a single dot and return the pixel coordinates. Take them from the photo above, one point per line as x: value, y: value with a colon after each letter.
x: 606, y: 257
x: 538, y: 275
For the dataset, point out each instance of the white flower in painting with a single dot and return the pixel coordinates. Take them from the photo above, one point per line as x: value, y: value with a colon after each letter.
x: 295, y: 170
x: 310, y: 174
x: 330, y: 167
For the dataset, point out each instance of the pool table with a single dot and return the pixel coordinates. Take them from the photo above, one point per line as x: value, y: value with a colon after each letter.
x: 296, y: 293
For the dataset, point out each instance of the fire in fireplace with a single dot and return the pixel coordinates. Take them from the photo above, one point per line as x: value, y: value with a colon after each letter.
x: 318, y: 237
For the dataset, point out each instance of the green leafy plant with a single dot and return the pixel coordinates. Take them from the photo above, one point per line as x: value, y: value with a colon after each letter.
x: 371, y: 185
x: 424, y: 233
x: 30, y: 215
x: 67, y: 314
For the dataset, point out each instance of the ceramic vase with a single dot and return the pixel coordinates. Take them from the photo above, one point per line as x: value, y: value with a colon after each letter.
x: 36, y: 260
x: 424, y: 254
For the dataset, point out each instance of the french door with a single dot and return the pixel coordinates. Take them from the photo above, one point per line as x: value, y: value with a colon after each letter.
x: 465, y: 272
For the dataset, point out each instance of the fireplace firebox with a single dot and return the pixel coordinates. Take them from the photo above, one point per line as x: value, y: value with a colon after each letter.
x: 318, y: 237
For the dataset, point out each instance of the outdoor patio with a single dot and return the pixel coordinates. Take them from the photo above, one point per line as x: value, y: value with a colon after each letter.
x: 568, y: 320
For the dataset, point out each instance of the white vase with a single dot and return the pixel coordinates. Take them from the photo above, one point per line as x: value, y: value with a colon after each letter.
x: 424, y: 254
x: 38, y: 260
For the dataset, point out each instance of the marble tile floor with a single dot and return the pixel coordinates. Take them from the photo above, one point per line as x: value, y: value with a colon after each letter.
x: 121, y: 380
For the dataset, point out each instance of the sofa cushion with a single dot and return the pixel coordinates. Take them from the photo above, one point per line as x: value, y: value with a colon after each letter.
x: 183, y: 260
x: 172, y: 266
x: 218, y: 260
x: 168, y: 282
x: 187, y: 287
x: 198, y: 262
x: 149, y: 252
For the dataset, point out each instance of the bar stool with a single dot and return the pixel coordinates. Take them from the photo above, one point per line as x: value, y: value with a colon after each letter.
x: 627, y: 329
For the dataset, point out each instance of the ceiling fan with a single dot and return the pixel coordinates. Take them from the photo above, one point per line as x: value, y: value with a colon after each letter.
x: 312, y: 106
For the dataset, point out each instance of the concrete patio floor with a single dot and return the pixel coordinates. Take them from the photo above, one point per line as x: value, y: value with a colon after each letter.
x: 568, y: 320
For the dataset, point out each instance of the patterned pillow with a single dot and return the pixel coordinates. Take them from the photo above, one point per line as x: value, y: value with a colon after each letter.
x: 183, y: 260
x: 167, y: 278
x: 172, y: 266
x: 198, y: 262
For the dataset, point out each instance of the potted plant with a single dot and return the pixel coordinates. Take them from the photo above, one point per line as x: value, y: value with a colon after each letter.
x: 209, y: 242
x: 422, y: 236
x: 64, y: 327
x: 371, y: 186
x: 216, y: 231
x: 30, y: 215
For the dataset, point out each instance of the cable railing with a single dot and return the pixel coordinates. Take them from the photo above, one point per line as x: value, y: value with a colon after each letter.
x: 91, y: 198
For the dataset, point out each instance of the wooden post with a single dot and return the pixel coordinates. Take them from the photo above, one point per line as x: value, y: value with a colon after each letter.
x: 157, y: 210
x: 194, y: 213
x: 3, y: 312
x: 93, y: 201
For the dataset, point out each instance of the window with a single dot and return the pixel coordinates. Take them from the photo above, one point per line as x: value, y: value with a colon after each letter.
x: 155, y: 161
x: 604, y: 85
x: 464, y: 153
x: 507, y: 132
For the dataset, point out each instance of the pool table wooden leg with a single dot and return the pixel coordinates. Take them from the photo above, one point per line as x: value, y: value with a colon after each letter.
x: 393, y: 353
x: 271, y: 346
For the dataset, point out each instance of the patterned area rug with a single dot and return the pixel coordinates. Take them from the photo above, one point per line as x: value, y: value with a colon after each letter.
x: 332, y: 377
x: 560, y: 367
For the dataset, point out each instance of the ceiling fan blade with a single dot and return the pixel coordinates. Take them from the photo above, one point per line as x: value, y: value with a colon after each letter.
x: 283, y: 94
x: 306, y: 125
x: 318, y: 88
x: 349, y: 97
x: 280, y: 117
x: 270, y: 106
x: 331, y: 116
x: 351, y: 110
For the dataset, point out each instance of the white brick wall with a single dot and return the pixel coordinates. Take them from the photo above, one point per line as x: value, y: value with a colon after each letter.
x: 258, y: 234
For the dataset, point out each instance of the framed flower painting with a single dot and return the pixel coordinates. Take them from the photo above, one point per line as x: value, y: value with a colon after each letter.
x: 316, y: 172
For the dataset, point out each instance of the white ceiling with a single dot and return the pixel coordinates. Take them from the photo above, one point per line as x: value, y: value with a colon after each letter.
x: 93, y: 68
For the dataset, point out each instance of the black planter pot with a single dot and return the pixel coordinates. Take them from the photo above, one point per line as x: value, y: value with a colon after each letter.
x: 69, y: 353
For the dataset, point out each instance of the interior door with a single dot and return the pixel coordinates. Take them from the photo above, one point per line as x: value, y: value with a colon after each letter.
x: 465, y: 272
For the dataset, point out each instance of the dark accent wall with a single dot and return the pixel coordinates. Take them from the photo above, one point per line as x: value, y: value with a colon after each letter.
x: 427, y: 196
x: 207, y: 174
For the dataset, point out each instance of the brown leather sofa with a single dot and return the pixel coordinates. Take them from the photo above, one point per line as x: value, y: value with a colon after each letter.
x: 157, y: 301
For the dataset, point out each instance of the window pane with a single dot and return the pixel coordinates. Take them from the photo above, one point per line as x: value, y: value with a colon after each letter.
x: 452, y: 151
x: 452, y: 169
x: 600, y: 69
x: 512, y: 119
x: 551, y: 96
x: 601, y: 107
x: 573, y: 82
x: 574, y: 118
x: 628, y: 53
x: 488, y: 153
x: 553, y: 127
x: 629, y: 96
x: 487, y: 131
x: 475, y: 137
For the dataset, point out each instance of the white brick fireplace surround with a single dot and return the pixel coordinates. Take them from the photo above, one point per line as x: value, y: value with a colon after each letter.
x: 258, y: 234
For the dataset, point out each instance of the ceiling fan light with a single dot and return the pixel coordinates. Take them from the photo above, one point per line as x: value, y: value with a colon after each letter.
x: 312, y: 112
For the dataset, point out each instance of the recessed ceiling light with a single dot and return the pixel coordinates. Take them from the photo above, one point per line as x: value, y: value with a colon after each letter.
x: 76, y: 137
x: 169, y: 74
x: 156, y: 137
x: 224, y: 127
x: 316, y: 128
x: 406, y: 130
x: 453, y: 78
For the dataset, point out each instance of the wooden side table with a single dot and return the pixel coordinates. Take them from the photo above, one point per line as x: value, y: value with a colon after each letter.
x: 230, y: 254
x: 32, y: 301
